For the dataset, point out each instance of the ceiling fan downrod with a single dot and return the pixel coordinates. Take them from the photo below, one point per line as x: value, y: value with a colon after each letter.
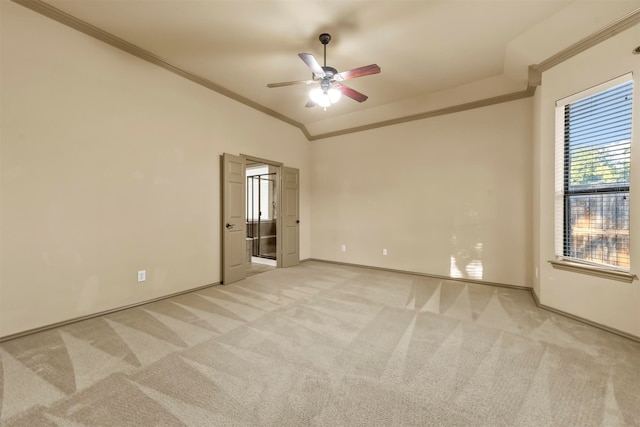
x: 325, y: 38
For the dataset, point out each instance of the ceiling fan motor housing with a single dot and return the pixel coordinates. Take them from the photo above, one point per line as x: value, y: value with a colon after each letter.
x: 330, y: 71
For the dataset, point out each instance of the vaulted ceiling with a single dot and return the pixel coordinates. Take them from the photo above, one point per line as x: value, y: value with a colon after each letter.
x: 434, y: 55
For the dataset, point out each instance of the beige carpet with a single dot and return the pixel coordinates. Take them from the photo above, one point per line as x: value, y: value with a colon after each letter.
x: 259, y: 266
x: 328, y: 345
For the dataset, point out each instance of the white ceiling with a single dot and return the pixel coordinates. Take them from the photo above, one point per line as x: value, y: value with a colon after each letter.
x: 433, y: 54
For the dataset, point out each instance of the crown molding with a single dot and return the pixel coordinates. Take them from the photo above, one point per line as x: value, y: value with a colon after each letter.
x: 58, y: 15
x: 629, y: 20
x: 535, y: 71
x: 432, y: 113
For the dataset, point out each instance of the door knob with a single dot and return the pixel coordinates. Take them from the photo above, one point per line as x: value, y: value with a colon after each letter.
x: 297, y: 221
x: 230, y: 226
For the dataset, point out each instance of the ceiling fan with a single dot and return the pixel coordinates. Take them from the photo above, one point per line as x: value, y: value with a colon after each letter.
x: 330, y: 88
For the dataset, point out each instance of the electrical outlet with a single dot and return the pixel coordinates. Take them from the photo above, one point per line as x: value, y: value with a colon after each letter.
x: 384, y: 252
x: 142, y: 275
x: 344, y: 248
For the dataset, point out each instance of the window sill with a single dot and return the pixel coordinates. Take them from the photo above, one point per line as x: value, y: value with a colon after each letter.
x: 591, y: 270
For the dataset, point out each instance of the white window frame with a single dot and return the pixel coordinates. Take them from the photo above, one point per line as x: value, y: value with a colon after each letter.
x: 563, y: 262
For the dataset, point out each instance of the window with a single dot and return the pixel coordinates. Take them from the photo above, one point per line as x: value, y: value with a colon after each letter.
x: 592, y: 178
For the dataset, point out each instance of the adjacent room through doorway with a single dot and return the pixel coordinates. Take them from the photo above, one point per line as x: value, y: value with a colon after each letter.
x: 262, y: 210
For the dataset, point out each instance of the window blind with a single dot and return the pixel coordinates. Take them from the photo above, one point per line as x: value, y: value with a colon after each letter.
x: 596, y: 169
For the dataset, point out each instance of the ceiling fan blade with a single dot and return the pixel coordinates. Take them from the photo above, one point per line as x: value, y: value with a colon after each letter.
x: 311, y: 62
x: 310, y: 104
x: 296, y: 82
x: 358, y: 72
x: 351, y: 93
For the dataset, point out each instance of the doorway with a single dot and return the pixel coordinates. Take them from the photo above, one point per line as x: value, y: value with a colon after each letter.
x: 262, y: 190
x: 280, y: 206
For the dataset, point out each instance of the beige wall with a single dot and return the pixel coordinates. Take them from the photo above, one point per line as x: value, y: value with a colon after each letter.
x: 110, y: 165
x: 611, y: 303
x: 454, y: 187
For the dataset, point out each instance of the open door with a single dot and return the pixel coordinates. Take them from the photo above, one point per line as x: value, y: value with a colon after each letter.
x: 290, y: 214
x: 233, y: 219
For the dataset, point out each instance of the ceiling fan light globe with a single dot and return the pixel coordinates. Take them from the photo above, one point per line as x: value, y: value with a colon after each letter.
x: 334, y: 95
x: 320, y: 97
x: 325, y: 101
x: 316, y: 95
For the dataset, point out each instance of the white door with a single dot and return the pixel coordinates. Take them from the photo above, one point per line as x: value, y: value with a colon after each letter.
x: 234, y: 249
x: 290, y: 212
